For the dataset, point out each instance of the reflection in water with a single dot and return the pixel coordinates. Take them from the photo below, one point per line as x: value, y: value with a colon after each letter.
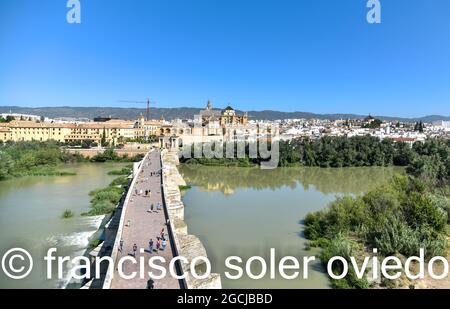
x: 352, y: 180
x: 247, y: 211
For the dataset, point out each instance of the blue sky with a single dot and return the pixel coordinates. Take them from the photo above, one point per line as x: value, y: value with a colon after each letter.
x: 291, y: 55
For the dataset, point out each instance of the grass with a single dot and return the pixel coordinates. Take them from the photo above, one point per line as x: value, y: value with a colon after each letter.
x: 122, y: 172
x: 44, y: 171
x: 184, y: 188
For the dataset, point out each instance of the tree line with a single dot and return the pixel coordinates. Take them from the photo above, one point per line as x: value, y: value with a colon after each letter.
x: 339, y: 152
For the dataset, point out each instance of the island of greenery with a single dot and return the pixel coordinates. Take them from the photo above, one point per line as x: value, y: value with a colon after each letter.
x: 34, y: 158
x: 409, y: 213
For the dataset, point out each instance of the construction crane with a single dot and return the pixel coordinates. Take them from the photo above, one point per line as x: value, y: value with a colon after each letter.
x: 148, y: 102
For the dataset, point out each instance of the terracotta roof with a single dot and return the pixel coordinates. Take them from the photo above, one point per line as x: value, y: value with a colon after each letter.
x: 116, y: 121
x: 404, y: 139
x: 105, y: 125
x: 31, y: 124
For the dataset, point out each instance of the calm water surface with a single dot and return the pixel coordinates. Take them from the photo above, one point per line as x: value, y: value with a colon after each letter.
x: 30, y: 218
x: 247, y: 211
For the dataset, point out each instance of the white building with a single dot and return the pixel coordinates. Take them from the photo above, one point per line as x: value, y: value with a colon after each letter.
x: 442, y: 123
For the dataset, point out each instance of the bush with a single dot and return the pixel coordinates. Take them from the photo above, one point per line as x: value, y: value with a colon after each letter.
x: 101, y: 208
x: 184, y: 188
x: 314, y: 228
x: 67, y: 214
x: 121, y: 181
x: 109, y: 194
x: 420, y: 211
x: 124, y: 171
x: 343, y: 247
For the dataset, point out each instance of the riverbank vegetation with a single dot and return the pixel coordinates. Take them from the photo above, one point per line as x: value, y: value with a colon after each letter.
x: 125, y: 171
x: 409, y: 213
x: 104, y: 201
x: 34, y: 158
x: 185, y: 188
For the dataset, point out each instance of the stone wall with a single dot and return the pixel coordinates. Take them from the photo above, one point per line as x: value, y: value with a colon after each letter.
x: 89, y: 153
x: 187, y: 245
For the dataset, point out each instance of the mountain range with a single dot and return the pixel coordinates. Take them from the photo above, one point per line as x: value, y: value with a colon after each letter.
x: 188, y: 113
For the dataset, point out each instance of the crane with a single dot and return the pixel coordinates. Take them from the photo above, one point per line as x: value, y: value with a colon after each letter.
x: 148, y: 102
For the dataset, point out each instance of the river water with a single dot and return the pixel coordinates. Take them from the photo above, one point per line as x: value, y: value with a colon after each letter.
x: 248, y: 211
x: 30, y: 218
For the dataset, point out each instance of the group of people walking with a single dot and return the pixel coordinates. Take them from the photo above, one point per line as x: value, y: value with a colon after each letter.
x: 161, y: 243
x: 152, y: 207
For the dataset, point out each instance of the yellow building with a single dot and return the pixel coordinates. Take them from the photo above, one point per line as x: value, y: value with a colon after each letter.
x: 5, y: 134
x: 229, y: 117
x: 30, y: 130
x: 113, y: 131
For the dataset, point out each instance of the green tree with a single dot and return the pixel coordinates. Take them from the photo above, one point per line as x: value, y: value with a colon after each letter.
x: 103, y: 140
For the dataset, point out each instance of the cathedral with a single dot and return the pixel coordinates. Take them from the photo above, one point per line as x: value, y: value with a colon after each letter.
x: 224, y: 118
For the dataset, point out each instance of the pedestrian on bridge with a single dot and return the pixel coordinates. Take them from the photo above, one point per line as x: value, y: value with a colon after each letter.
x: 121, y: 245
x: 150, y: 245
x: 150, y: 284
x: 134, y: 250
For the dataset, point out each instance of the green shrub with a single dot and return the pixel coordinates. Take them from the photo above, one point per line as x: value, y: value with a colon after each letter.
x: 121, y: 181
x: 100, y: 208
x: 420, y: 210
x: 343, y: 247
x: 67, y: 214
x: 124, y: 171
x: 95, y: 243
x: 108, y: 194
x: 314, y: 228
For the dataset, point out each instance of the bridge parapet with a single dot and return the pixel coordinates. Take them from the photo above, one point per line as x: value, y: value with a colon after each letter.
x: 187, y: 245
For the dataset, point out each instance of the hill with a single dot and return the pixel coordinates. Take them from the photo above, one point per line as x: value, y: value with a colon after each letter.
x: 186, y: 113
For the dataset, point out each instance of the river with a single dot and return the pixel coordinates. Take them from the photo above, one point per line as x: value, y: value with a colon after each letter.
x: 30, y: 218
x: 248, y: 211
